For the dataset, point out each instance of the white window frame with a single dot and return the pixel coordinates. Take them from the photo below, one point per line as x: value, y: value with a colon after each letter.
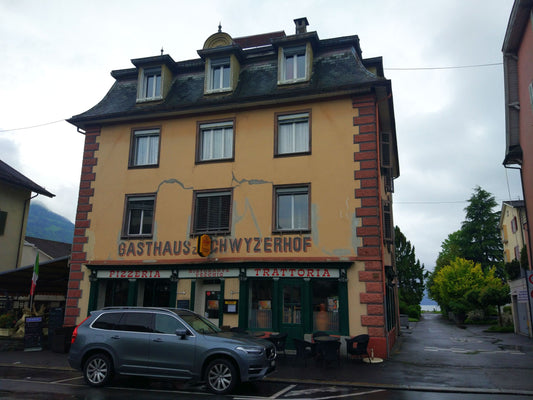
x: 207, y: 133
x: 224, y: 65
x: 153, y: 147
x: 130, y: 200
x: 291, y: 192
x: 292, y: 121
x: 293, y: 53
x: 155, y: 73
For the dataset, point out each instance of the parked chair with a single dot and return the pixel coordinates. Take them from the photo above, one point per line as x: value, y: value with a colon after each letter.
x: 361, y: 349
x: 329, y: 351
x: 304, y: 349
x: 279, y: 341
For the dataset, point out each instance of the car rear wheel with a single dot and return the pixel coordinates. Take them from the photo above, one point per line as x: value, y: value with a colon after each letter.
x: 221, y: 376
x: 98, y: 370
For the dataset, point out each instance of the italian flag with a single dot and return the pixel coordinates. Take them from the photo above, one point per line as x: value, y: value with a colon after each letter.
x: 35, y: 275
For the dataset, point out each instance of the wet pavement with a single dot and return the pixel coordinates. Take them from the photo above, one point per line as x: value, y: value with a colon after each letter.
x: 434, y: 355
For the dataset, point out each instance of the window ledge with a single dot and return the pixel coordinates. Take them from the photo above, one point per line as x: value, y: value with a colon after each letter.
x: 293, y: 81
x: 217, y: 160
x: 148, y: 99
x: 143, y: 166
x: 291, y: 232
x: 295, y: 154
x: 210, y: 233
x: 136, y: 237
x: 218, y: 91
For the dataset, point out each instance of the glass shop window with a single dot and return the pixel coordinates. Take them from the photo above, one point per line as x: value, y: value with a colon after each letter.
x: 325, y: 305
x: 116, y: 292
x: 261, y: 305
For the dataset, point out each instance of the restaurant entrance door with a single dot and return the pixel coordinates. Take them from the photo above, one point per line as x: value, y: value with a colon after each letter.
x: 293, y: 309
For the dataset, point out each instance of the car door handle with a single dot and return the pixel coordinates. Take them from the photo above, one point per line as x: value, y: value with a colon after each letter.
x: 115, y: 337
x: 158, y: 340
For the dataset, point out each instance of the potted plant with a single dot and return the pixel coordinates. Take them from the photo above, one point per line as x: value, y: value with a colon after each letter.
x: 7, y: 324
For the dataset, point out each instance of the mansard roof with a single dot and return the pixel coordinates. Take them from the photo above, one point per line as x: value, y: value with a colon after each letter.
x: 338, y: 68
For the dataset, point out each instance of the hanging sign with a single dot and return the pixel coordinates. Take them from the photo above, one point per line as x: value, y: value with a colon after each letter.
x: 204, y: 245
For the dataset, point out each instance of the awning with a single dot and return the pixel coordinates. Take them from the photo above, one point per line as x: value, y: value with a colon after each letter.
x: 53, y: 279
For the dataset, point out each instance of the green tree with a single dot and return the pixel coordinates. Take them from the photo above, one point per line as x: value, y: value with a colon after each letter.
x: 410, y: 272
x: 495, y: 294
x: 480, y: 239
x: 450, y: 250
x: 464, y: 286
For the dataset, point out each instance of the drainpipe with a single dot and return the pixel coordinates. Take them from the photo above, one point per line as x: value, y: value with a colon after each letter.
x: 22, y: 230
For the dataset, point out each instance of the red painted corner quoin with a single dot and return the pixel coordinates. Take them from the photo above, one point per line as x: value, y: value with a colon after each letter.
x: 369, y: 231
x: 79, y: 257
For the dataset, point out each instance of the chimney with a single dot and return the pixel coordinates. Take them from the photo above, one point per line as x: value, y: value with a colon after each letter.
x: 301, y: 25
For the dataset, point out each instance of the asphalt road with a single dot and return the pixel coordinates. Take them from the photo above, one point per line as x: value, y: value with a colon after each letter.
x: 434, y: 359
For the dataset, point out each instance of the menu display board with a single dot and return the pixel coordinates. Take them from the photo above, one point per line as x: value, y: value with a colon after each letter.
x: 33, y: 334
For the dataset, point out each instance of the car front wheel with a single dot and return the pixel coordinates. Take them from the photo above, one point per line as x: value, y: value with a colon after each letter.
x: 221, y: 376
x: 98, y: 370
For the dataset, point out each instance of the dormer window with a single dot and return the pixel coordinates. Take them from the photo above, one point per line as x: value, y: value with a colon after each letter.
x: 155, y: 75
x: 222, y: 63
x: 294, y: 62
x: 220, y: 74
x: 294, y: 65
x: 152, y: 83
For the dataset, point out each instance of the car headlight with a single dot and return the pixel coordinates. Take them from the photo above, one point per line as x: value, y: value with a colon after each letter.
x: 250, y: 349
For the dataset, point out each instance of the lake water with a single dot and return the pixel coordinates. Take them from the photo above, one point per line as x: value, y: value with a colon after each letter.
x: 430, y: 307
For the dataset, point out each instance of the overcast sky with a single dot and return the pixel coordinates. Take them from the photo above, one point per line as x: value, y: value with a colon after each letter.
x: 57, y: 57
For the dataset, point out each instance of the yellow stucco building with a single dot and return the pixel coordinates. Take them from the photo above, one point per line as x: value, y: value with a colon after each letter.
x: 278, y: 149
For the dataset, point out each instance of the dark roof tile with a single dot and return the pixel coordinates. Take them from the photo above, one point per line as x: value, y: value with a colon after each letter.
x: 13, y: 177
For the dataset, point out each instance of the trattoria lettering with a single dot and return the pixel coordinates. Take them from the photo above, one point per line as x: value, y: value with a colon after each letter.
x: 281, y: 244
x: 289, y: 272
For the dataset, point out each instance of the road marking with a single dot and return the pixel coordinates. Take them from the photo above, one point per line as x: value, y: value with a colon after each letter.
x: 306, y: 392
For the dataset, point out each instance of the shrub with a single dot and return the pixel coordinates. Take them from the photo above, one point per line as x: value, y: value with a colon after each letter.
x: 8, y: 320
x: 475, y: 316
x: 414, y: 311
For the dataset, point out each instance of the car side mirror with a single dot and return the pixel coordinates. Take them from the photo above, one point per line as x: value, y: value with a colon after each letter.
x: 181, y: 333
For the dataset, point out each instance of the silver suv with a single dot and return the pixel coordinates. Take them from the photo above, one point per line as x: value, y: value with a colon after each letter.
x: 166, y: 343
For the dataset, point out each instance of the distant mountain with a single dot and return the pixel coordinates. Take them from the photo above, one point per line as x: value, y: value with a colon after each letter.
x: 45, y: 224
x: 426, y: 301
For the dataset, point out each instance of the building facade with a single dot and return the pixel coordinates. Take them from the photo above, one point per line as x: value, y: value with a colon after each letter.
x: 518, y: 78
x: 15, y: 196
x: 252, y: 185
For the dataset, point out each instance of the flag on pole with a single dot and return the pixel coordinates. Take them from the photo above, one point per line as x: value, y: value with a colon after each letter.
x: 35, y: 275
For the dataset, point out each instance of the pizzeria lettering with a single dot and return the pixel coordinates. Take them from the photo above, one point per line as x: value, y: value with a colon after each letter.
x: 135, y: 274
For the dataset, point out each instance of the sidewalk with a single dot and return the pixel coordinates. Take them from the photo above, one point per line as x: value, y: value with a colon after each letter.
x: 433, y: 355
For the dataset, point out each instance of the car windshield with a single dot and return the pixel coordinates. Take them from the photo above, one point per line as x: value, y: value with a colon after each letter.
x: 199, y: 323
